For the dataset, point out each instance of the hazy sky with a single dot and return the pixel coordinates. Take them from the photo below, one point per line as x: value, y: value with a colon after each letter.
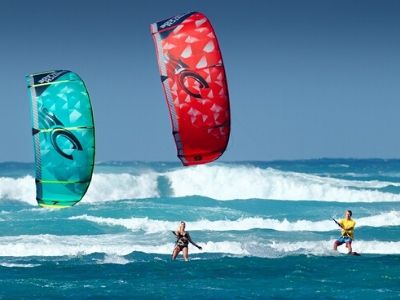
x: 307, y: 79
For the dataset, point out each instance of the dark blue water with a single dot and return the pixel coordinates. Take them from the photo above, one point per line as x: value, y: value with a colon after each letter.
x: 292, y: 277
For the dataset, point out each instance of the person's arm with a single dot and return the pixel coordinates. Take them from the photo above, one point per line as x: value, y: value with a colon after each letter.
x: 193, y: 243
x: 174, y: 233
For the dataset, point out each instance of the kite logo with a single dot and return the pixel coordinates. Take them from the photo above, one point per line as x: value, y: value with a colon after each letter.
x: 186, y: 78
x: 171, y: 21
x: 52, y: 122
x: 50, y: 77
x: 186, y: 74
x: 67, y: 135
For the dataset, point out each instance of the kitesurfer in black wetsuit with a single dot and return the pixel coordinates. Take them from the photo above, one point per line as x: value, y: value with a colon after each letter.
x: 182, y: 242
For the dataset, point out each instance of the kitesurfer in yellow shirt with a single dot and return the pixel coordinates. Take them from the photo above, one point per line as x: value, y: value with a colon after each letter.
x: 347, y: 228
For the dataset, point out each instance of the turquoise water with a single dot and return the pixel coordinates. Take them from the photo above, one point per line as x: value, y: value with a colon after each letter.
x: 264, y: 227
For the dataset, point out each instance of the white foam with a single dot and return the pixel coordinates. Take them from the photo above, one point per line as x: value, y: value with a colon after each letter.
x: 72, y: 245
x: 391, y: 218
x: 147, y: 225
x: 21, y: 189
x: 324, y: 247
x: 15, y: 265
x: 134, y: 224
x: 120, y: 245
x: 152, y: 226
x: 104, y: 187
x: 114, y: 259
x: 245, y: 182
x: 111, y: 244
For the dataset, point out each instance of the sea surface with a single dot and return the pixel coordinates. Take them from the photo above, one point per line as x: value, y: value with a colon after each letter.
x: 265, y: 228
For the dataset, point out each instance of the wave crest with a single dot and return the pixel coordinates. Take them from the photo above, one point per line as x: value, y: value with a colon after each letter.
x: 220, y: 182
x: 246, y: 182
x: 104, y: 187
x: 147, y: 225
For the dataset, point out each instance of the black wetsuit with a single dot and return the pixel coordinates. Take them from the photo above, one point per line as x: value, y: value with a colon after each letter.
x: 182, y: 241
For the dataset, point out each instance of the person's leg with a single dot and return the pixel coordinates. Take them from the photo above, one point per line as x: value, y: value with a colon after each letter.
x: 185, y: 253
x: 336, y: 244
x: 175, y: 252
x: 348, y: 245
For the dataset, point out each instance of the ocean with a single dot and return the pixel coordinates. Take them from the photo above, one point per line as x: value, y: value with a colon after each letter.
x: 265, y: 228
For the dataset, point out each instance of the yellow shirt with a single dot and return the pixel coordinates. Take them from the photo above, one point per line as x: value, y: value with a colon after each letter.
x: 348, y: 227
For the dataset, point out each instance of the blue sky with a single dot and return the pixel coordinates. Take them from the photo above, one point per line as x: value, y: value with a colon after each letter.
x: 307, y: 79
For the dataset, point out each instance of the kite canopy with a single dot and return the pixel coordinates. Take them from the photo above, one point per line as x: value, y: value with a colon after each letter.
x: 63, y: 137
x: 194, y: 82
